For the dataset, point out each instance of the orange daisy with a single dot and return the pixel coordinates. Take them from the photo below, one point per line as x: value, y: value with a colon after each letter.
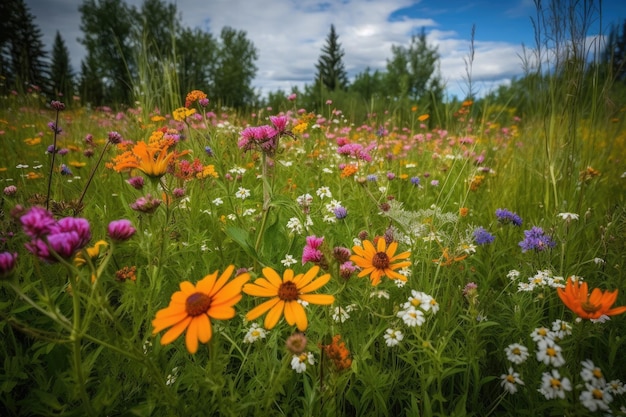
x: 378, y: 261
x: 193, y: 306
x: 576, y: 297
x: 287, y: 292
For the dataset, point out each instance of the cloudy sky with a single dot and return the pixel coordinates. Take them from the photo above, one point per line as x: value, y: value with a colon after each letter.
x: 289, y: 34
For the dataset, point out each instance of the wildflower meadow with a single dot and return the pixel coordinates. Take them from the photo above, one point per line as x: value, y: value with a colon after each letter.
x: 284, y: 262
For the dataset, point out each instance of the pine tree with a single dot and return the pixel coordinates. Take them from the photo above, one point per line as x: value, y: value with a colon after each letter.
x: 22, y: 51
x: 331, y: 72
x: 61, y: 74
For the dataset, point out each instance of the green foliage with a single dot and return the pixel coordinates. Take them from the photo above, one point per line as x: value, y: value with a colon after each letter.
x: 22, y: 54
x: 331, y: 73
x: 61, y: 73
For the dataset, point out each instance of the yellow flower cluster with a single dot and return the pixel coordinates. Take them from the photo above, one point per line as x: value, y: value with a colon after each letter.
x: 181, y: 114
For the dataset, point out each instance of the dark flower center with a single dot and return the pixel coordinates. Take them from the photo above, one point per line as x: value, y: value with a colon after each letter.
x: 589, y: 307
x: 288, y: 291
x: 380, y: 260
x: 197, y: 303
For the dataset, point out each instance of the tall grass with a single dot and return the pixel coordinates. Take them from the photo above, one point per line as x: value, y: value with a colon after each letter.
x: 79, y: 336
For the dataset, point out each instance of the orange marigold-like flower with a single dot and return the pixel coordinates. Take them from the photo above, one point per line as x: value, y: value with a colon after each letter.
x: 194, y: 96
x: 447, y: 259
x: 151, y: 160
x: 348, y: 171
x: 338, y: 353
x: 193, y: 306
x: 378, y: 261
x: 576, y: 297
x: 287, y: 293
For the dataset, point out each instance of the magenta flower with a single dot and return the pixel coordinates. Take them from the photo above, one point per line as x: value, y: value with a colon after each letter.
x: 311, y: 252
x: 121, y: 230
x: 76, y: 225
x: 7, y: 263
x: 147, y: 204
x: 37, y: 222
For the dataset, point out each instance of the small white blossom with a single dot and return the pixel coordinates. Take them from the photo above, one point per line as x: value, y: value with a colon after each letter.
x: 255, y: 332
x: 592, y: 374
x: 248, y: 212
x: 299, y: 362
x: 561, y: 328
x: 232, y: 217
x: 340, y: 314
x: 513, y: 274
x: 411, y: 316
x: 242, y: 193
x: 218, y: 201
x: 602, y: 319
x: 295, y: 226
x: 549, y: 353
x: 382, y: 190
x: 598, y: 261
x: 510, y: 381
x: 329, y: 219
x: 326, y: 170
x: 324, y: 192
x: 418, y: 299
x: 171, y: 378
x: 542, y: 333
x: 516, y: 353
x: 553, y: 386
x: 393, y: 337
x: 568, y: 217
x: 237, y: 170
x: 304, y: 200
x: 595, y: 398
x: 288, y: 261
x: 380, y: 294
x: 616, y: 387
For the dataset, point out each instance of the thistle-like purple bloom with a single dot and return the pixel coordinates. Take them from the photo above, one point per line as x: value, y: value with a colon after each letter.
x: 346, y: 269
x: 505, y: 217
x: 115, y: 138
x: 340, y: 212
x: 7, y: 263
x: 136, y: 182
x: 536, y: 239
x: 10, y: 190
x: 482, y: 237
x: 147, y: 204
x: 311, y: 252
x: 37, y: 222
x: 121, y: 230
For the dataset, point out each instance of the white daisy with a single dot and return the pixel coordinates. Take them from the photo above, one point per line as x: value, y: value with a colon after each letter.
x: 393, y: 337
x: 516, y: 353
x: 255, y: 332
x: 299, y: 362
x: 595, y: 398
x: 553, y: 386
x: 549, y: 353
x: 510, y: 381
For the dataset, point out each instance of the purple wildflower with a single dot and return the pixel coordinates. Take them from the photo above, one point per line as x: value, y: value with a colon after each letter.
x: 505, y: 216
x: 7, y: 263
x: 147, y: 204
x: 10, y: 190
x: 341, y: 254
x: 65, y: 170
x: 115, y: 138
x: 37, y: 222
x: 136, y: 182
x: 57, y: 105
x: 340, y: 212
x: 121, y: 230
x: 482, y: 237
x: 536, y: 239
x: 415, y: 181
x: 346, y: 269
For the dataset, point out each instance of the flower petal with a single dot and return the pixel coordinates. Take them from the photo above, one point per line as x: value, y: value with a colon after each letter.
x: 318, y: 283
x: 261, y: 309
x: 320, y: 299
x: 173, y: 333
x: 274, y: 315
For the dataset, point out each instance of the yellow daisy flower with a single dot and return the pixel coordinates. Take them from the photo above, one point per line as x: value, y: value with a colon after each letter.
x: 287, y: 294
x: 378, y: 261
x: 193, y: 306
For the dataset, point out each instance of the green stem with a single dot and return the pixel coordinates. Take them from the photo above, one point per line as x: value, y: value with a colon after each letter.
x: 93, y: 172
x: 267, y: 199
x: 54, y: 153
x: 76, y: 338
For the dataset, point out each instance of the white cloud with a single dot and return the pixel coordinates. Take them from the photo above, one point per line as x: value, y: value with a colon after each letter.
x: 289, y: 36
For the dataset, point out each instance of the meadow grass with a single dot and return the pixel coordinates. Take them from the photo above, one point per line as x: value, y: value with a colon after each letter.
x: 79, y: 339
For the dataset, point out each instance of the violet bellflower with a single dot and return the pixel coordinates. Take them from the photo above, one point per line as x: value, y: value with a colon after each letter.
x: 536, y: 239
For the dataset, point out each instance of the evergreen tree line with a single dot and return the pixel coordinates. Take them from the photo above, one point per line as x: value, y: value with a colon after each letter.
x: 145, y: 54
